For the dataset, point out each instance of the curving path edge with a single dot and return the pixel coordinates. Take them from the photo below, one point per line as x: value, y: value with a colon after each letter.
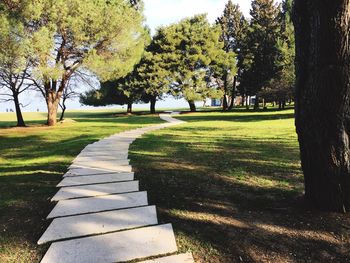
x: 101, y: 216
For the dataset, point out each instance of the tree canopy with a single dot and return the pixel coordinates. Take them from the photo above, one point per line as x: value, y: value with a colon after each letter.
x: 103, y: 37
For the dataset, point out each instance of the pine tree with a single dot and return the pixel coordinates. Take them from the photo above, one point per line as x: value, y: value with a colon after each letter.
x: 154, y: 79
x: 232, y: 24
x: 261, y: 45
x: 123, y: 91
x: 188, y: 50
x: 281, y: 87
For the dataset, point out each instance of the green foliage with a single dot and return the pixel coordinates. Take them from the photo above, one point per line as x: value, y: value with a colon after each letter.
x: 260, y: 49
x: 233, y: 26
x: 106, y: 38
x: 281, y: 87
x: 192, y: 51
x: 117, y: 92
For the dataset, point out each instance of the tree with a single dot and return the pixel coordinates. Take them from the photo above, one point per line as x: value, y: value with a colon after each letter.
x: 14, y: 62
x: 261, y: 47
x: 323, y: 100
x: 104, y: 37
x: 122, y: 91
x: 152, y: 74
x: 281, y: 87
x: 233, y: 25
x: 188, y: 49
x: 68, y: 93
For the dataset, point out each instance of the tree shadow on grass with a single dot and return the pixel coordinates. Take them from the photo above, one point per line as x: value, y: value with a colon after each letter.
x: 32, y: 162
x: 246, y: 117
x: 237, y: 200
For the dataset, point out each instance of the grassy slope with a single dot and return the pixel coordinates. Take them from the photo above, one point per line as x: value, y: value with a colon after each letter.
x: 231, y: 185
x: 32, y: 161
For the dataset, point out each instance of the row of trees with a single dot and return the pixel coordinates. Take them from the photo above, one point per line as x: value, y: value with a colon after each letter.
x: 196, y: 60
x: 46, y: 45
x: 265, y: 48
x: 186, y: 60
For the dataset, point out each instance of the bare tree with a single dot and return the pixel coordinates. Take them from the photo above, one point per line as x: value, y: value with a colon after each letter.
x: 12, y: 85
x: 68, y: 94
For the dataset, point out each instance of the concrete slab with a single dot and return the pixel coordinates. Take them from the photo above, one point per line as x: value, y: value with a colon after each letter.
x: 181, y: 258
x: 95, y: 179
x: 95, y: 190
x: 98, y: 204
x: 99, y: 162
x: 114, y: 247
x: 100, y: 158
x: 111, y: 166
x: 99, y: 223
x: 103, y: 149
x: 108, y: 145
x: 103, y: 153
x: 81, y: 171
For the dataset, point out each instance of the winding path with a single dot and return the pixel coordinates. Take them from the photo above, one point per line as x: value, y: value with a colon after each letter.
x: 101, y: 216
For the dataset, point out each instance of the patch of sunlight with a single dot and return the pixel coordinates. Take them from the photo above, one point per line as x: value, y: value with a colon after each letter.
x: 148, y: 153
x: 31, y: 172
x: 297, y: 233
x: 209, y: 217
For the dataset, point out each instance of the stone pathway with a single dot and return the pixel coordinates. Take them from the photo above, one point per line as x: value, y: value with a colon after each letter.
x: 101, y: 216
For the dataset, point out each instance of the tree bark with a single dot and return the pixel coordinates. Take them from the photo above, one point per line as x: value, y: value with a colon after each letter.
x: 129, y: 110
x: 192, y: 106
x: 224, y: 103
x: 20, y: 120
x: 153, y: 102
x: 63, y: 107
x: 323, y: 100
x: 52, y: 101
x: 233, y: 93
x: 243, y: 101
x: 256, y: 104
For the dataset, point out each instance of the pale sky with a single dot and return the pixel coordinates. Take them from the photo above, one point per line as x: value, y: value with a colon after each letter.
x: 158, y: 13
x: 164, y: 12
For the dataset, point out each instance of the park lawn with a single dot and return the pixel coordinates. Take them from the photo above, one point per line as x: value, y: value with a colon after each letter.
x: 32, y: 162
x: 231, y: 185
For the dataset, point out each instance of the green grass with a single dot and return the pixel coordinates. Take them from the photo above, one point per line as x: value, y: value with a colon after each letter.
x: 231, y: 185
x: 32, y: 161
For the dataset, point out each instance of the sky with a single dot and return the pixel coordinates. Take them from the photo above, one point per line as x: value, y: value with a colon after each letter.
x: 158, y: 13
x: 164, y: 12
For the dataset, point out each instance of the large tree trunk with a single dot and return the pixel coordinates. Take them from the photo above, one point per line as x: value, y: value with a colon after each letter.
x: 233, y: 93
x: 20, y: 120
x: 129, y: 110
x: 323, y: 100
x: 51, y: 113
x: 192, y: 106
x: 53, y: 98
x: 153, y: 102
x: 224, y: 103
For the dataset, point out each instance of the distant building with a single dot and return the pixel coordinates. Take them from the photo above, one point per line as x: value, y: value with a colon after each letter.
x: 216, y: 102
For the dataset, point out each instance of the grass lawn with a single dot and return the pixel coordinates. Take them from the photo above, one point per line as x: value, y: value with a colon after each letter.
x: 231, y: 185
x: 32, y: 161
